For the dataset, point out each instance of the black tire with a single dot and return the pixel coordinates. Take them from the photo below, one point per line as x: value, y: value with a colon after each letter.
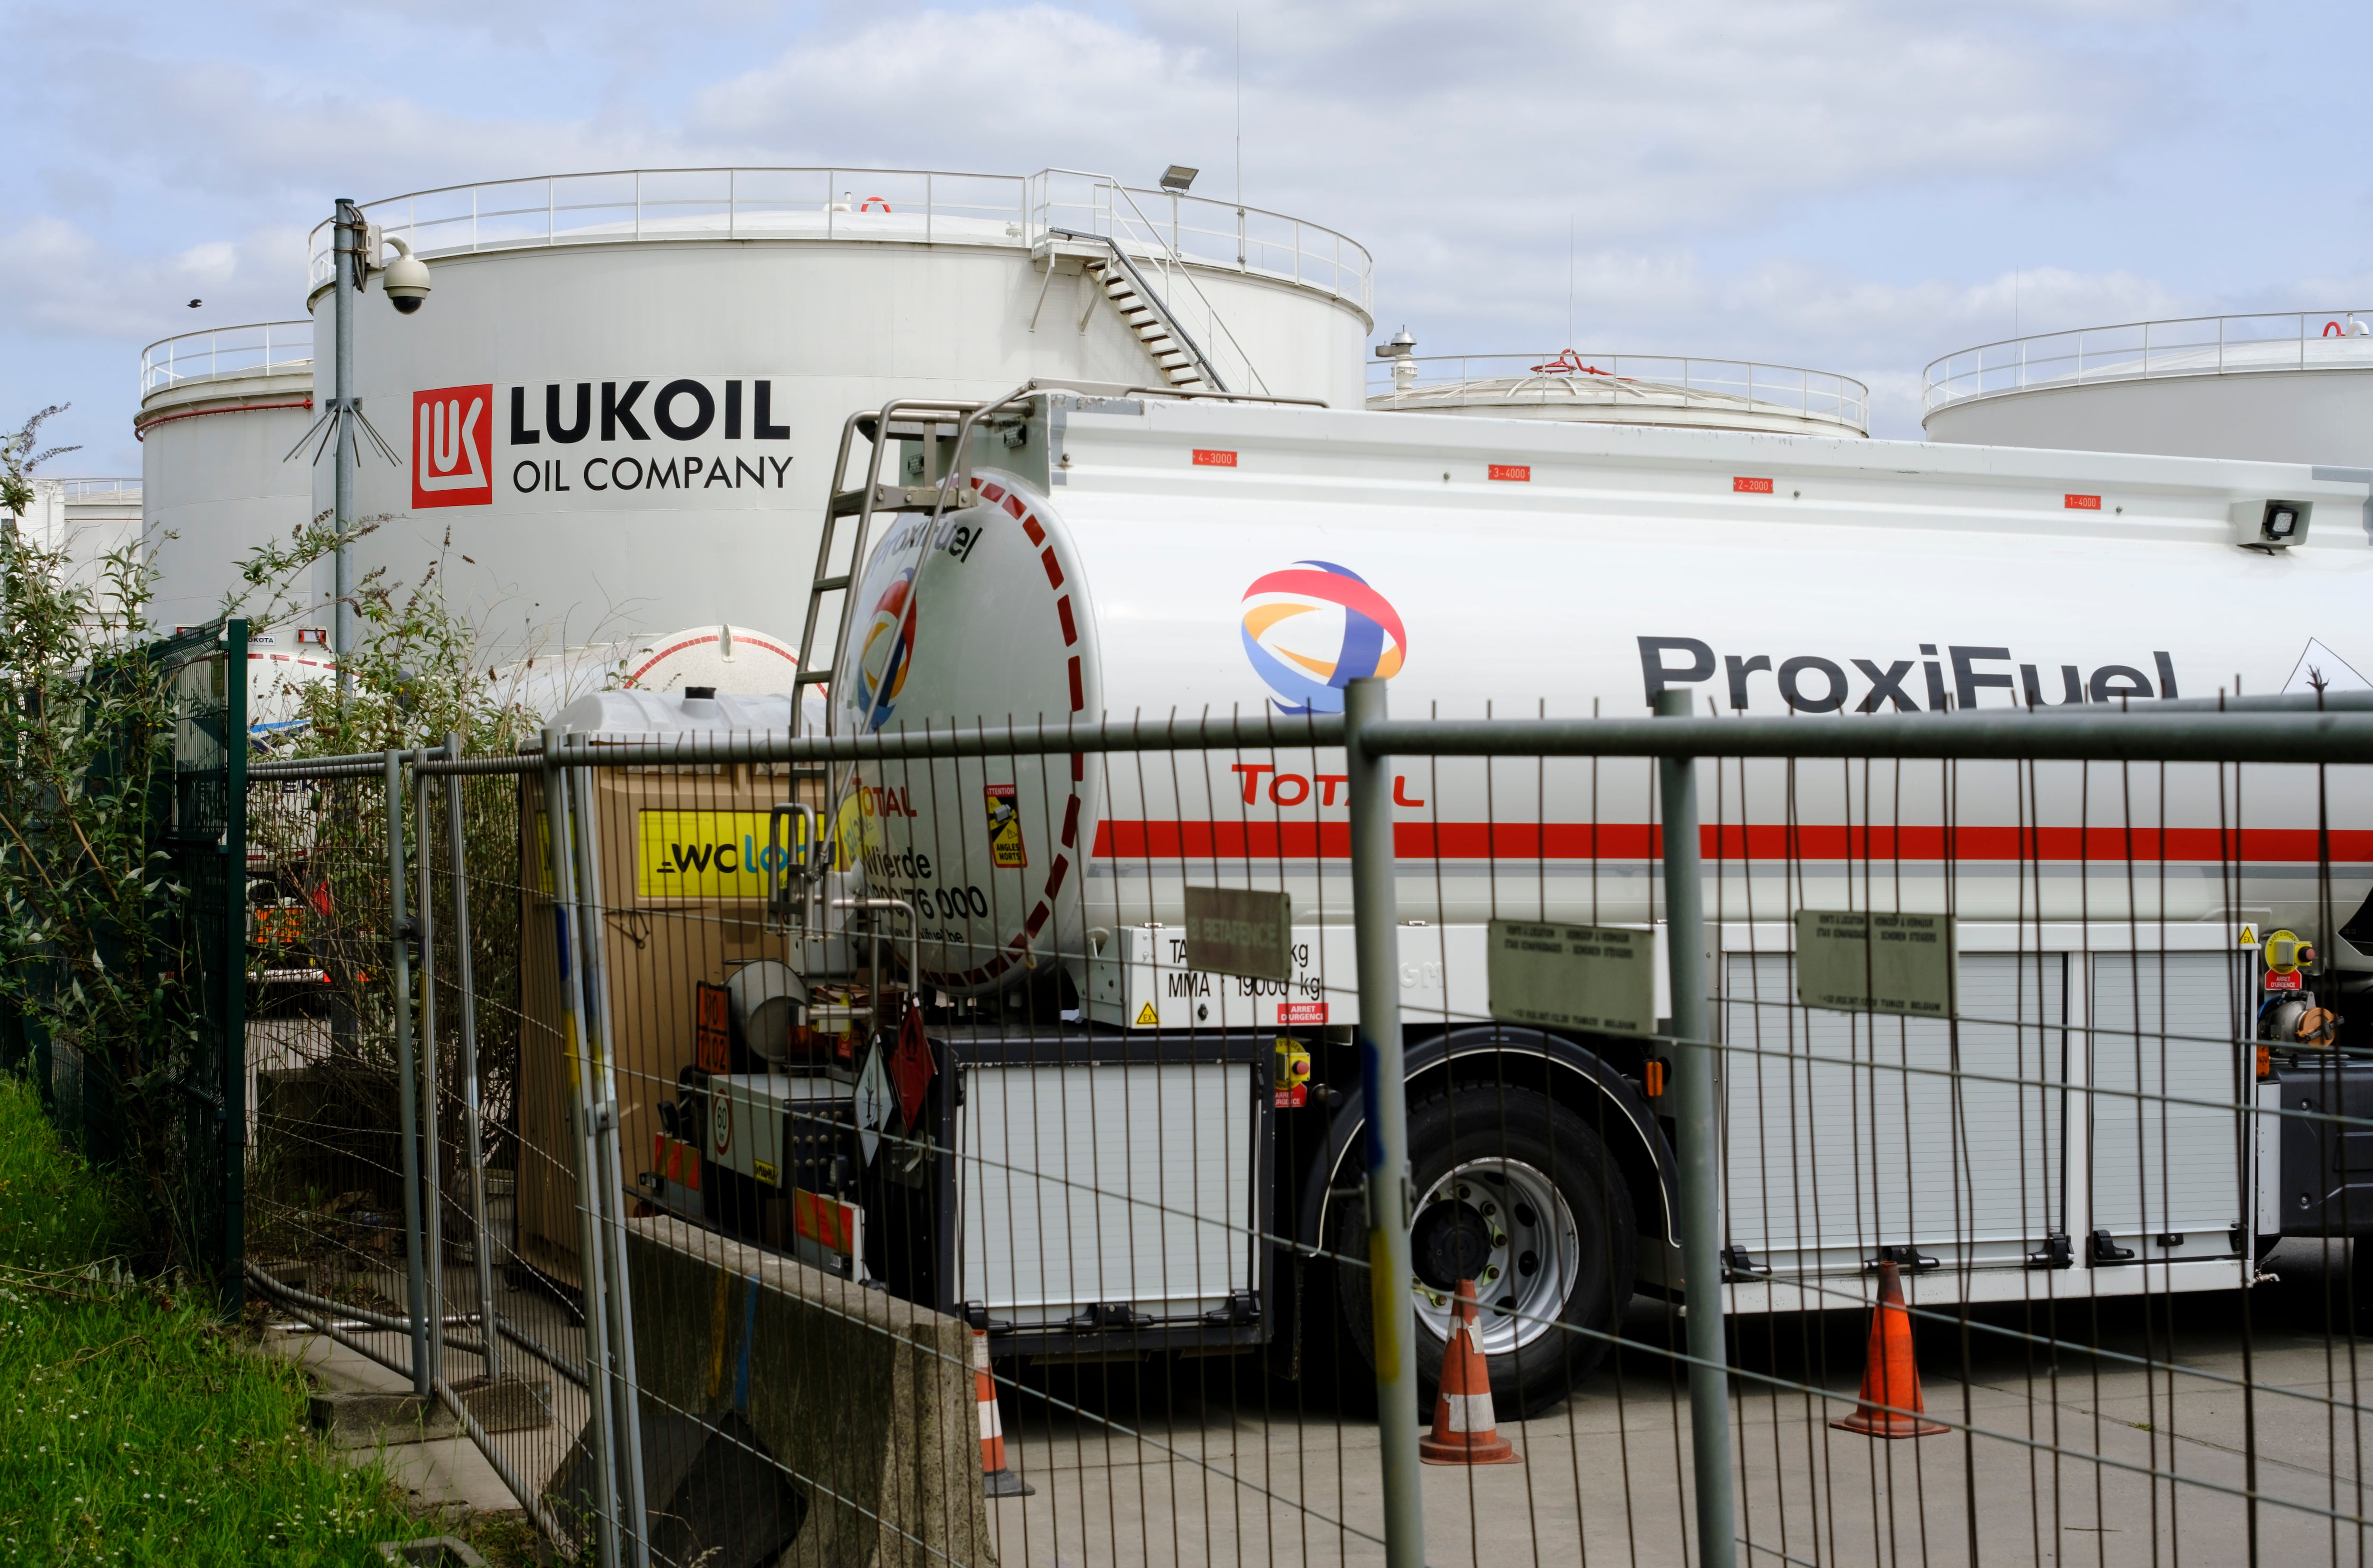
x: 1502, y: 1131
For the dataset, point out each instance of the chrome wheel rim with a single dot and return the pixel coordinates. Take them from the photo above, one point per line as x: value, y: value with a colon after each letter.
x: 1504, y: 1224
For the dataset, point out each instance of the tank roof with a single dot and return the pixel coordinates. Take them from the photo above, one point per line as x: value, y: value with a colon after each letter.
x: 1628, y: 389
x: 2137, y: 351
x: 882, y: 205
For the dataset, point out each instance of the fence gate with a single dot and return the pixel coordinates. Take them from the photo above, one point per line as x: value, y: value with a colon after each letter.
x: 203, y: 838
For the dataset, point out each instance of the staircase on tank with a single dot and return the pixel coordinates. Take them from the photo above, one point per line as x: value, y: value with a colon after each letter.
x: 1146, y: 316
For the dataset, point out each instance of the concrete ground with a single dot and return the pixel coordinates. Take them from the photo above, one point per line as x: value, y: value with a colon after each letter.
x: 1205, y: 1463
x: 451, y: 1476
x: 1209, y: 1461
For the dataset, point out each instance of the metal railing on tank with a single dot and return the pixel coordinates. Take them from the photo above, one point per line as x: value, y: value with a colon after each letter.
x: 892, y: 205
x: 98, y: 489
x: 2137, y: 351
x: 1614, y: 377
x: 225, y: 351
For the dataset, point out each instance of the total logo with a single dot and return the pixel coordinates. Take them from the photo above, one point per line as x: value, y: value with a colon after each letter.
x: 887, y: 651
x: 1315, y: 627
x: 453, y: 447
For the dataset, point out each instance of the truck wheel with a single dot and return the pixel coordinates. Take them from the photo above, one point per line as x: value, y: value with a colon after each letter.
x: 1516, y: 1193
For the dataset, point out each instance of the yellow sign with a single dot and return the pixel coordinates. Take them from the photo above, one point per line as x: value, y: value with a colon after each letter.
x: 2248, y: 936
x: 708, y: 854
x: 1005, y: 851
x: 1146, y: 1015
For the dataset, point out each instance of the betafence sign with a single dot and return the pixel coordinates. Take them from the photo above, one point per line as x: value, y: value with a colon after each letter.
x: 1240, y: 930
x: 1561, y: 977
x: 1853, y: 961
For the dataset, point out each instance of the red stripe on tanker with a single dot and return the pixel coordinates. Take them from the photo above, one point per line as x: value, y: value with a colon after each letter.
x: 1924, y: 578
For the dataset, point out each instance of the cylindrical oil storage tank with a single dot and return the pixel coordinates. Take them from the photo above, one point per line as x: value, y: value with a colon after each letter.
x: 724, y: 659
x: 2294, y: 388
x: 1624, y: 389
x: 219, y: 412
x: 623, y: 399
x: 88, y: 520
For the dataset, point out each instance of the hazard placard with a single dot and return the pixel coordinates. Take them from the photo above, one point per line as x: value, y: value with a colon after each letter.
x: 2248, y: 936
x: 712, y: 1028
x: 1005, y: 850
x: 874, y: 1102
x: 1146, y: 1018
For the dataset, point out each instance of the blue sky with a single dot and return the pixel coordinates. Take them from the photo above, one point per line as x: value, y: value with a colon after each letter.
x: 1847, y: 184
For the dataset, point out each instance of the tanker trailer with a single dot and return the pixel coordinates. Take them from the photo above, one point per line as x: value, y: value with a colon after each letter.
x: 1145, y: 557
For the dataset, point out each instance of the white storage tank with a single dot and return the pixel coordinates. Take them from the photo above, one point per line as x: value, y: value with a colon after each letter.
x: 220, y: 411
x: 725, y: 660
x: 623, y: 400
x: 2295, y: 388
x: 87, y: 519
x: 1620, y: 388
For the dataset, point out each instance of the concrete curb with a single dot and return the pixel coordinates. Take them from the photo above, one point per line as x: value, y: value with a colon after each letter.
x: 863, y: 1404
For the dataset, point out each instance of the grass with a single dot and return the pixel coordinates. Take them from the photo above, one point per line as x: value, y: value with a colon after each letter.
x: 135, y: 1428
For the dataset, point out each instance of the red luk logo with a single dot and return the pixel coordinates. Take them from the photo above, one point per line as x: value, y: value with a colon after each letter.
x: 453, y: 447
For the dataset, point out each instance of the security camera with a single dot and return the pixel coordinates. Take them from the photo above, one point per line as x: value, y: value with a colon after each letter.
x: 405, y: 278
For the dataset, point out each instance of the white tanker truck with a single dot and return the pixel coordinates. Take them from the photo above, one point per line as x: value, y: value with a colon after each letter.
x: 1130, y: 1166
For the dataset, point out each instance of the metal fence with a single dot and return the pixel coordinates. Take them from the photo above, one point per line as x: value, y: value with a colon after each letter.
x: 903, y: 1147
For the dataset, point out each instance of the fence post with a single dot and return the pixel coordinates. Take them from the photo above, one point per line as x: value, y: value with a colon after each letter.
x: 399, y: 978
x: 562, y: 865
x: 1699, y: 1150
x: 611, y: 1182
x: 465, y: 979
x: 432, y: 1178
x: 1385, y: 1094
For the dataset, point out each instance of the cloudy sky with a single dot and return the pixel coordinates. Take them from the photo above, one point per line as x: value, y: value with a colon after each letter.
x: 1856, y: 185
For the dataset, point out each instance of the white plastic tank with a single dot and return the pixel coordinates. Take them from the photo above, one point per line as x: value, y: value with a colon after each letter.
x: 1620, y: 388
x: 220, y: 411
x: 2295, y: 388
x: 1567, y: 571
x: 623, y: 399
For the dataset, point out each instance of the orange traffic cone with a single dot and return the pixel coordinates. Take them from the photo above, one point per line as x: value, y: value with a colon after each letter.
x: 995, y: 1478
x: 1465, y: 1430
x: 1892, y: 1406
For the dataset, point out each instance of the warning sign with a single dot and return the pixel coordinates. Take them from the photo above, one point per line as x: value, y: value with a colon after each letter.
x: 1145, y: 1016
x: 2248, y: 936
x: 1005, y: 851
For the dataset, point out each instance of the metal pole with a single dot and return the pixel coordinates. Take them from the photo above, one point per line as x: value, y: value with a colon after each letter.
x: 601, y: 1075
x: 1383, y: 1089
x: 483, y: 1248
x: 1699, y: 1150
x: 399, y: 970
x: 345, y: 243
x: 588, y: 1230
x: 432, y: 1181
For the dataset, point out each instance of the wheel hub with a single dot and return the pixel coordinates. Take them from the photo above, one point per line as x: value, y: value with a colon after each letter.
x: 1503, y: 1225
